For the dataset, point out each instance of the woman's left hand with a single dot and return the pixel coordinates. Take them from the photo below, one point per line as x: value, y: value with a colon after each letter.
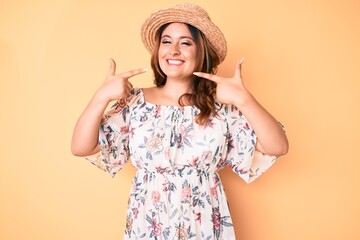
x: 271, y: 137
x: 229, y: 90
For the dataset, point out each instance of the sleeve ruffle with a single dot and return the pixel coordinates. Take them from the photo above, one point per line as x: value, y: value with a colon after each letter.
x: 242, y: 157
x: 113, y: 139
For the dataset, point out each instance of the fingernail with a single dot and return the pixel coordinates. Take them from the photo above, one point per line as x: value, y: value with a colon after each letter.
x: 145, y: 69
x: 196, y: 73
x: 241, y: 61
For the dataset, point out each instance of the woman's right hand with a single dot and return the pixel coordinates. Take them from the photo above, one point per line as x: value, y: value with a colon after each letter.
x: 117, y: 86
x: 86, y: 131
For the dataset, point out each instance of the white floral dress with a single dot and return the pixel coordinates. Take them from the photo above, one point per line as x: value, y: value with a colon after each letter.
x: 177, y: 192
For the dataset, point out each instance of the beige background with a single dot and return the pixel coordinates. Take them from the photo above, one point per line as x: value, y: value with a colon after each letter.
x: 302, y: 61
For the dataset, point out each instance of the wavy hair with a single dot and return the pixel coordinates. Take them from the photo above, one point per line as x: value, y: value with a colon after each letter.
x: 203, y: 91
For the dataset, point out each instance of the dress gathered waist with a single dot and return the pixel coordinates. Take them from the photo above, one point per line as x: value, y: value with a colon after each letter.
x: 180, y: 170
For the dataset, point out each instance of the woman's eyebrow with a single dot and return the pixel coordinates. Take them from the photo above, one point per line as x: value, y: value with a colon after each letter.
x: 181, y: 37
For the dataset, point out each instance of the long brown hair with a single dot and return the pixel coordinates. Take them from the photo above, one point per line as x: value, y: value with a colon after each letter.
x: 203, y: 93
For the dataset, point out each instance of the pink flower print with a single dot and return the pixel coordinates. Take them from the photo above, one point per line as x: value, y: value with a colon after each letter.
x: 157, y: 110
x: 167, y: 152
x: 155, y: 196
x: 182, y: 130
x: 209, y: 123
x: 121, y: 103
x: 156, y: 228
x: 182, y: 133
x: 213, y: 191
x: 124, y: 130
x: 216, y: 219
x: 192, y: 162
x: 198, y: 217
x: 186, y: 192
x: 135, y: 212
x: 160, y: 170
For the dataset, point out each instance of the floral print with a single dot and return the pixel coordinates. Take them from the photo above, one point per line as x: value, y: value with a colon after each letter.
x: 177, y: 192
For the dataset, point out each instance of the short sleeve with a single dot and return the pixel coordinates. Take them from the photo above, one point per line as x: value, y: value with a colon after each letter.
x: 113, y: 139
x: 242, y: 157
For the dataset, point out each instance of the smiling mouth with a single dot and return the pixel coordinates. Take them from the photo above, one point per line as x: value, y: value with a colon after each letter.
x: 174, y: 62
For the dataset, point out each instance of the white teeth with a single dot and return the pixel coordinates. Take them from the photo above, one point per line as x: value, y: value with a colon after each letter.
x: 175, y: 62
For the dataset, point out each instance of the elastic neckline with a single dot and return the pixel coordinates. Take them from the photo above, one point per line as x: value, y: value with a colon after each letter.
x: 162, y: 106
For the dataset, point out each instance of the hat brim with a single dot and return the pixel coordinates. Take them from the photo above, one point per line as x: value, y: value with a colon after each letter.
x: 196, y: 17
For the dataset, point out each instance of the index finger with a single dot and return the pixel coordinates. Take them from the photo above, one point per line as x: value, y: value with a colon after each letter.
x: 208, y: 76
x: 112, y: 68
x: 134, y: 72
x: 238, y: 68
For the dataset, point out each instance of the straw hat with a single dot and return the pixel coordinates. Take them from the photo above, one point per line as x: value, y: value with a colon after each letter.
x: 184, y: 13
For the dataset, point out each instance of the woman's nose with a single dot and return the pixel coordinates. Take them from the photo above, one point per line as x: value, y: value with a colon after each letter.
x: 175, y: 49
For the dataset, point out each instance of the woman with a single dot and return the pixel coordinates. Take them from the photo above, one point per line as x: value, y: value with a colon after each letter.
x: 181, y: 132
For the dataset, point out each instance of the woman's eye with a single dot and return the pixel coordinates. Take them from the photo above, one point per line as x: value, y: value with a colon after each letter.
x: 165, y: 42
x: 186, y: 43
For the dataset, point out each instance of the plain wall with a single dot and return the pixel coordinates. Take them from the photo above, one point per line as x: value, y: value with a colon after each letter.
x: 302, y: 61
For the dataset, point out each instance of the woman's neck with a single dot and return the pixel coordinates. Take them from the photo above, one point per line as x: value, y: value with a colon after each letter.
x: 177, y: 89
x: 167, y: 94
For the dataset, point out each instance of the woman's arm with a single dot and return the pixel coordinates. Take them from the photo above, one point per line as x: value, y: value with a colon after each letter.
x: 86, y: 131
x: 271, y: 137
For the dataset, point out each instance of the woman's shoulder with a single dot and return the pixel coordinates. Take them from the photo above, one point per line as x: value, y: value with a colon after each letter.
x: 135, y: 97
x: 229, y: 113
x: 227, y: 110
x: 148, y: 91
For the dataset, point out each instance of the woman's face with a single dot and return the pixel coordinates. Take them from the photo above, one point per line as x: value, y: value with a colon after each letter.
x: 177, y: 52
